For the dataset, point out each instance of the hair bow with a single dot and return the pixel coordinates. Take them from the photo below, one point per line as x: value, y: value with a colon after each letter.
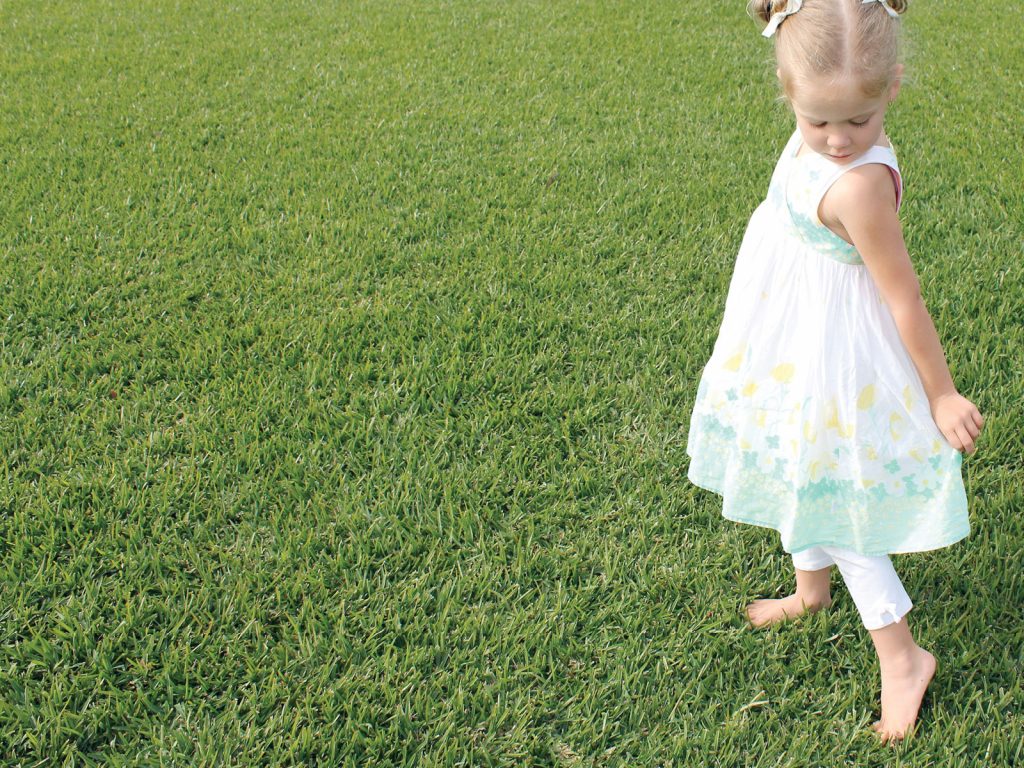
x: 792, y: 6
x: 888, y: 8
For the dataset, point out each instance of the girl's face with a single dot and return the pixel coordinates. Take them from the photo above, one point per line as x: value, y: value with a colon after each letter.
x: 838, y: 122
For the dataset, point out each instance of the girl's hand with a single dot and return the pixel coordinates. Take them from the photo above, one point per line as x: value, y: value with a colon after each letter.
x: 958, y: 419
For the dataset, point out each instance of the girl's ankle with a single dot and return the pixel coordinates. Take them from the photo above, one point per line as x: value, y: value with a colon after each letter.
x: 814, y: 600
x: 900, y: 662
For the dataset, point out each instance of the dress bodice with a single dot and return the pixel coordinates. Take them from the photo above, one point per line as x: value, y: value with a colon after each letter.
x: 799, y: 184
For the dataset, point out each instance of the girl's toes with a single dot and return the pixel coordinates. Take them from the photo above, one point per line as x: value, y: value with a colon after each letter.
x: 759, y: 614
x: 890, y: 738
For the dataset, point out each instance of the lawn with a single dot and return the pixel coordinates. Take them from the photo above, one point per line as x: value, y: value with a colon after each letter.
x: 347, y: 353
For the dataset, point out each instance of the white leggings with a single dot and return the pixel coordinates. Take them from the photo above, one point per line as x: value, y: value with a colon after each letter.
x: 872, y: 582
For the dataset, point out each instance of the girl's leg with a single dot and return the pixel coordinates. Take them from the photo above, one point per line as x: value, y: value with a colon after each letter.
x: 813, y: 568
x: 906, y: 668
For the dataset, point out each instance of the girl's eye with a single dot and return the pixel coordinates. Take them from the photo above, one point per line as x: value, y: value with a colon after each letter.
x: 859, y: 125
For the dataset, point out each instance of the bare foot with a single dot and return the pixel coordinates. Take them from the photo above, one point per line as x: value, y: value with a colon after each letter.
x: 903, y: 687
x: 762, y: 612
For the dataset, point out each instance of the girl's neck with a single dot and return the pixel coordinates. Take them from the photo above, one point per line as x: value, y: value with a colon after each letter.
x: 883, y: 141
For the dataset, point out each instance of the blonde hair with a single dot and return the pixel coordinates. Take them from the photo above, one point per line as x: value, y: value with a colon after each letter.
x: 837, y: 39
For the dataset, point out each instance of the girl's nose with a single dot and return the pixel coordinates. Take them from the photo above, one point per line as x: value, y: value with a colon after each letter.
x: 838, y: 142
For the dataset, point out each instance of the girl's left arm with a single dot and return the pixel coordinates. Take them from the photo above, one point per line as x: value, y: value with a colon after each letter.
x: 865, y: 203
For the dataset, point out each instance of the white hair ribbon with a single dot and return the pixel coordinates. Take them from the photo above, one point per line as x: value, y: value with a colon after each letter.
x: 888, y: 8
x: 792, y: 6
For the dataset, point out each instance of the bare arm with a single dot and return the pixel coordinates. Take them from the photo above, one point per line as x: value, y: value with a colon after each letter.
x: 864, y: 201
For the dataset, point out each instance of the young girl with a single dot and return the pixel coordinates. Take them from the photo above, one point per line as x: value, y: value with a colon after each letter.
x: 827, y: 410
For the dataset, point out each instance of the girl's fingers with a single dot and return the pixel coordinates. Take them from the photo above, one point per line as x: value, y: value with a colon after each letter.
x: 953, y: 440
x: 966, y: 439
x: 978, y: 418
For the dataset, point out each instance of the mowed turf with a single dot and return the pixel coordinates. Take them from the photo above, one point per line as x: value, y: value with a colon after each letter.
x: 348, y: 352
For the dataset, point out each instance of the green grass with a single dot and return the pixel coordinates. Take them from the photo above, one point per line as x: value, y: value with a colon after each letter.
x: 348, y: 353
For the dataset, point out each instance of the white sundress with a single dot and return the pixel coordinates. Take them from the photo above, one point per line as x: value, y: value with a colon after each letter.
x: 810, y: 416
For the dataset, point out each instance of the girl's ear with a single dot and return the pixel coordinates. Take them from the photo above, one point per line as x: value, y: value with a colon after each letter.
x: 895, y: 87
x: 778, y: 73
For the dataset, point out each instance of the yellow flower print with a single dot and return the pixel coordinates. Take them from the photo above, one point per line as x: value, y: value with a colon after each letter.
x: 749, y: 389
x: 871, y: 453
x: 733, y: 363
x: 908, y: 398
x: 783, y: 372
x: 866, y: 398
x: 832, y: 421
x: 894, y: 421
x: 809, y: 434
x: 760, y: 418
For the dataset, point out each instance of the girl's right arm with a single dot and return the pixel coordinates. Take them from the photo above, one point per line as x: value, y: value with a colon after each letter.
x: 865, y: 203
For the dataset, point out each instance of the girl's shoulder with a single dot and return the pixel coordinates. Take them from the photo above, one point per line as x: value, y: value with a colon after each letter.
x: 873, y: 178
x: 866, y: 183
x: 873, y: 183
